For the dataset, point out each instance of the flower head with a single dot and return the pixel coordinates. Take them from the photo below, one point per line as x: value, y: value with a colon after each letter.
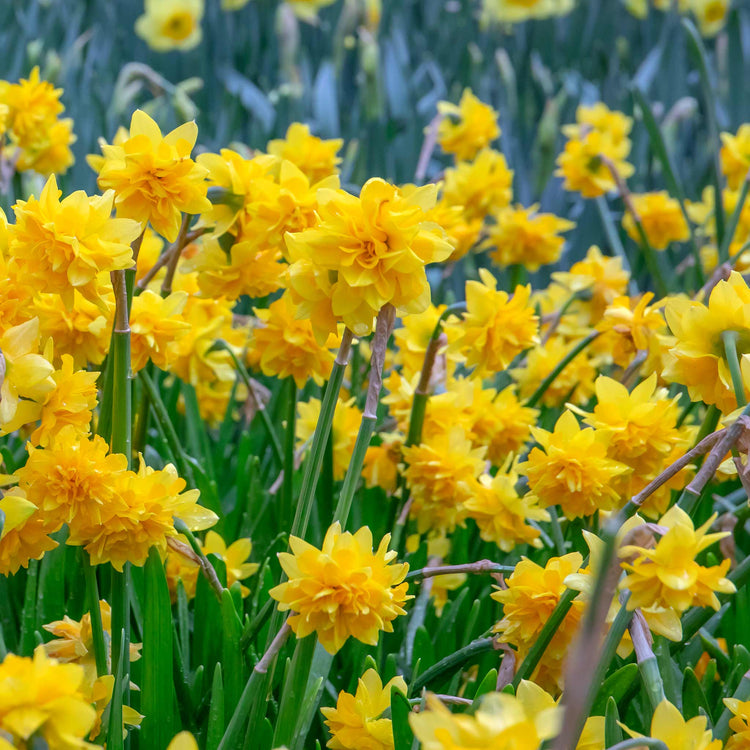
x: 669, y: 725
x: 235, y: 558
x: 571, y: 469
x: 668, y: 575
x: 531, y: 595
x: 355, y: 722
x: 171, y: 24
x: 315, y: 157
x: 152, y: 175
x: 25, y: 534
x: 63, y: 246
x: 521, y: 235
x: 496, y: 328
x: 735, y: 156
x: 468, y: 127
x: 661, y: 218
x: 365, y: 253
x: 38, y: 695
x: 516, y: 11
x: 343, y: 589
x: 521, y: 721
x: 156, y: 324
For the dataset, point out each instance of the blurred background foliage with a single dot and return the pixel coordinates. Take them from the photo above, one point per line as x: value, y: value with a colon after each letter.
x: 377, y: 85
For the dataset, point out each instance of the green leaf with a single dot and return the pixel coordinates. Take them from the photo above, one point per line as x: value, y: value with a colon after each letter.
x: 400, y: 710
x: 612, y: 732
x: 424, y: 647
x: 487, y: 685
x: 231, y: 654
x: 693, y: 697
x: 157, y: 686
x: 216, y: 726
x: 615, y: 686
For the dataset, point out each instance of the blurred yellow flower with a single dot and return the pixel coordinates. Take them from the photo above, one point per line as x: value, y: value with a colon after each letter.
x: 710, y: 15
x: 697, y: 356
x: 308, y: 9
x: 171, y: 24
x: 235, y: 558
x: 62, y: 246
x: 522, y: 721
x: 521, y: 235
x: 496, y: 327
x: 531, y: 595
x: 183, y: 741
x: 462, y: 232
x: 315, y: 157
x: 739, y: 724
x: 501, y: 514
x: 355, y: 722
x: 346, y: 421
x: 668, y: 575
x: 343, y: 589
x: 516, y: 11
x: 283, y: 345
x: 441, y: 585
x: 735, y: 156
x: 669, y: 725
x: 466, y: 128
x: 661, y: 218
x: 40, y: 696
x: 153, y: 177
x: 482, y: 185
x: 438, y: 473
x: 570, y: 468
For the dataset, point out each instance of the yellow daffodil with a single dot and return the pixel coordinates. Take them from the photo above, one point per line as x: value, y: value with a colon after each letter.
x: 25, y: 532
x: 516, y: 11
x: 343, y: 589
x: 669, y: 725
x: 235, y: 558
x: 466, y: 128
x: 316, y: 158
x: 153, y: 177
x: 156, y: 325
x: 355, y: 722
x: 571, y: 469
x: 171, y: 24
x: 661, y: 218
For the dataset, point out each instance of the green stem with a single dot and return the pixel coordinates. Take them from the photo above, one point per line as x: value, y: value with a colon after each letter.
x: 453, y: 661
x: 320, y: 437
x: 557, y: 534
x: 275, y: 442
x: 652, y: 681
x: 652, y: 262
x: 729, y: 339
x: 29, y: 615
x: 734, y: 220
x: 564, y: 362
x: 287, y: 487
x: 121, y: 438
x: 695, y: 43
x: 354, y: 470
x: 97, y: 630
x: 612, y: 235
x: 528, y: 665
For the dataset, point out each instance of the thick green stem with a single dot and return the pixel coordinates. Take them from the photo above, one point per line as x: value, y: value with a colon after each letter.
x: 734, y: 220
x: 97, y: 630
x: 564, y: 362
x: 613, y: 237
x: 729, y: 338
x: 320, y: 437
x: 287, y: 487
x: 452, y: 662
x: 121, y: 438
x: 354, y: 471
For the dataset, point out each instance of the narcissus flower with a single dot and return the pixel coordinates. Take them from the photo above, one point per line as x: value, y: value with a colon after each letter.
x: 25, y: 532
x: 346, y: 421
x: 521, y: 235
x: 315, y: 157
x: 522, y: 721
x: 516, y: 11
x: 697, y: 357
x: 661, y: 218
x: 668, y: 575
x: 27, y: 376
x: 153, y: 176
x: 571, y: 469
x: 355, y: 722
x: 438, y: 473
x: 235, y: 557
x: 468, y: 127
x: 669, y: 725
x: 496, y: 327
x: 171, y: 24
x: 40, y: 696
x: 739, y: 724
x: 441, y: 585
x: 156, y: 324
x: 482, y: 185
x: 501, y: 514
x: 735, y: 156
x: 531, y: 595
x: 343, y: 589
x: 307, y: 10
x: 368, y: 252
x: 62, y: 246
x: 283, y: 345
